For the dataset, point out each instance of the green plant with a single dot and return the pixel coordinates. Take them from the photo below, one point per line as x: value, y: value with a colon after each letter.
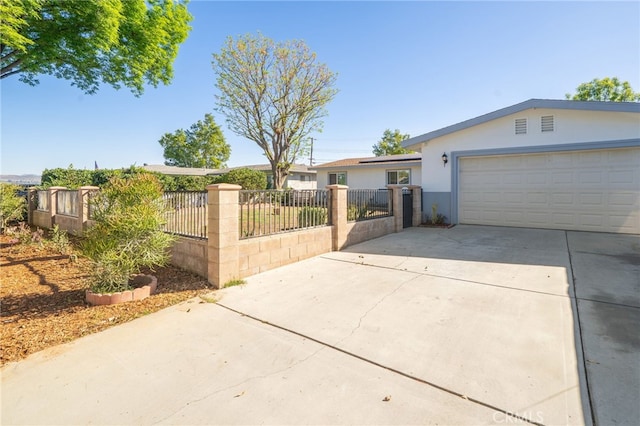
x: 12, y: 206
x: 127, y: 236
x: 355, y: 212
x: 438, y: 219
x: 434, y: 213
x: 59, y: 240
x: 235, y: 282
x: 248, y: 179
x: 312, y: 216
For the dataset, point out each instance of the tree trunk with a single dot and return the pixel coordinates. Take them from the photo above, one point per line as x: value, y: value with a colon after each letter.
x: 279, y: 175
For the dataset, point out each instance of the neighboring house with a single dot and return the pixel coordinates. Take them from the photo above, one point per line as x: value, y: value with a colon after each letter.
x: 178, y: 171
x: 300, y: 176
x: 554, y: 164
x: 371, y: 172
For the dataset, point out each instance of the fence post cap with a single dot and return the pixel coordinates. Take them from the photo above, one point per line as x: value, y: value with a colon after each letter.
x: 337, y: 187
x: 57, y: 187
x: 89, y: 187
x: 223, y: 187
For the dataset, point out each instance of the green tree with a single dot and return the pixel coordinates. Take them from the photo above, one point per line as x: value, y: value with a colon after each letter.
x: 390, y: 144
x: 607, y: 89
x: 247, y: 178
x: 117, y: 42
x: 203, y: 145
x: 273, y: 94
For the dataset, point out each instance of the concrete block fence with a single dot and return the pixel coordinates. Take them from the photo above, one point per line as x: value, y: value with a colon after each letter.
x: 223, y: 256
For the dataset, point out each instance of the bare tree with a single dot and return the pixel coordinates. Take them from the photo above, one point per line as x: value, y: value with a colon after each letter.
x: 273, y: 94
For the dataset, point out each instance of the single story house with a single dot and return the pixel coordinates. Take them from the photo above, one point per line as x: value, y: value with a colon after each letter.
x: 178, y: 171
x: 556, y: 164
x: 371, y: 172
x: 300, y: 177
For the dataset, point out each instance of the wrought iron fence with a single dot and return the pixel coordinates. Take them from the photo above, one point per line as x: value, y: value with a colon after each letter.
x: 67, y: 202
x: 365, y: 204
x: 275, y: 211
x: 42, y: 199
x: 186, y: 213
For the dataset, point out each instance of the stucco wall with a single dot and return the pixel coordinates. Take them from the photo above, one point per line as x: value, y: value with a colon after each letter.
x: 367, y: 177
x: 570, y: 127
x: 70, y: 224
x: 41, y: 219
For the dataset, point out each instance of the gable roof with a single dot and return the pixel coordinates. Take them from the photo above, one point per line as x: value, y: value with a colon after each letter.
x: 412, y: 143
x: 372, y: 161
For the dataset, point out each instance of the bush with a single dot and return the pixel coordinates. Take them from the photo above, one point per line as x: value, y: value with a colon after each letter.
x: 69, y: 178
x: 12, y: 206
x: 127, y: 236
x: 354, y: 212
x: 312, y: 216
x: 249, y: 179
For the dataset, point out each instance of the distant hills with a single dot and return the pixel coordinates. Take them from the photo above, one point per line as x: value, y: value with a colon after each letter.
x: 21, y: 179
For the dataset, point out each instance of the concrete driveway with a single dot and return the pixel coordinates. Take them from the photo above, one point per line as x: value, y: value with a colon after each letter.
x: 470, y: 325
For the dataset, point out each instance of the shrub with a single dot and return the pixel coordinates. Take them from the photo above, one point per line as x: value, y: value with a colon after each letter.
x: 312, y: 216
x: 249, y: 179
x: 354, y: 212
x: 12, y: 206
x: 127, y: 236
x: 69, y: 178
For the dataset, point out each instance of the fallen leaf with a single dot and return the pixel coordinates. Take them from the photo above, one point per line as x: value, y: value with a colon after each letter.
x: 387, y: 398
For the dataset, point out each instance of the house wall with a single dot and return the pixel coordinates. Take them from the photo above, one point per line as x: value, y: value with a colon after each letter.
x: 367, y: 177
x: 294, y: 181
x: 570, y: 127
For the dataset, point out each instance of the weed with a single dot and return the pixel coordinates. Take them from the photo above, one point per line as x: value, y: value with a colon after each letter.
x: 59, y: 240
x: 235, y: 282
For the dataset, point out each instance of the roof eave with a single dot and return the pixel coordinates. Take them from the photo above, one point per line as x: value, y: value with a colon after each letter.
x: 416, y: 142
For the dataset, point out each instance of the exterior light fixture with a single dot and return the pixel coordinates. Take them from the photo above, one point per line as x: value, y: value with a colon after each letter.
x: 445, y: 159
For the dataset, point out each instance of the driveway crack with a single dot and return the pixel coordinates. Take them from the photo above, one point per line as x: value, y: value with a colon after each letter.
x: 247, y: 380
x: 382, y: 299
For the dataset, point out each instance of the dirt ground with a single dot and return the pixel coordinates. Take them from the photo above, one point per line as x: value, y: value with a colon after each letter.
x: 42, y: 297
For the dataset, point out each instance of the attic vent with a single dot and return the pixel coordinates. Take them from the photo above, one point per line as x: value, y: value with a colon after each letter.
x: 521, y: 126
x: 546, y: 123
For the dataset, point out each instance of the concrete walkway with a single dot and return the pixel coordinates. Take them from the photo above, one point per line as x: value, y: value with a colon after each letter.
x: 471, y: 325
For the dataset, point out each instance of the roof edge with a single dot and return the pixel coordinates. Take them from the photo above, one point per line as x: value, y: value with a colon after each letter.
x: 528, y: 104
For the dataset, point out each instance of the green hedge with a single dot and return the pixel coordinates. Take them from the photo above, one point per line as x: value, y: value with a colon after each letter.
x: 74, y: 178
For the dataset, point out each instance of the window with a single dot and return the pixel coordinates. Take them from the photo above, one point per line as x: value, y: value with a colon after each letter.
x: 546, y: 123
x: 339, y: 178
x: 399, y: 177
x: 303, y: 178
x: 521, y: 126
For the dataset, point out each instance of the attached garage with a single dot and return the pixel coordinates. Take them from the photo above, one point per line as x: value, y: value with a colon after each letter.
x: 555, y: 164
x: 589, y: 190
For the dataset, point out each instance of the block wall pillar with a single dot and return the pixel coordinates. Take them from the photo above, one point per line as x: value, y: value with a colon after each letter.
x: 223, y: 233
x: 338, y: 216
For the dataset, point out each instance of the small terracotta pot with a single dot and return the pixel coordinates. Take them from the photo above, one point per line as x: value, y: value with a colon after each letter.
x: 144, y: 286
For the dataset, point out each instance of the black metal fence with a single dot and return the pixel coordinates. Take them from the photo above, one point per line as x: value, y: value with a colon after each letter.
x: 275, y: 211
x: 365, y: 204
x: 186, y: 213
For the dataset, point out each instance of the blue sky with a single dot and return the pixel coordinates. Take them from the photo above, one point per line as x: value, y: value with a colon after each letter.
x: 414, y: 66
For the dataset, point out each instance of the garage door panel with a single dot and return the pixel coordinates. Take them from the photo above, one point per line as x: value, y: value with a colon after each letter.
x: 596, y: 190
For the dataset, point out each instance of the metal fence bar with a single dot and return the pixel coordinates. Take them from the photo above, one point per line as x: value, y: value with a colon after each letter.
x: 186, y: 213
x: 365, y: 204
x: 274, y: 211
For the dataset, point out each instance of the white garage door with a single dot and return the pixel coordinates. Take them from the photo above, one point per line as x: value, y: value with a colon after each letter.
x: 595, y: 190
